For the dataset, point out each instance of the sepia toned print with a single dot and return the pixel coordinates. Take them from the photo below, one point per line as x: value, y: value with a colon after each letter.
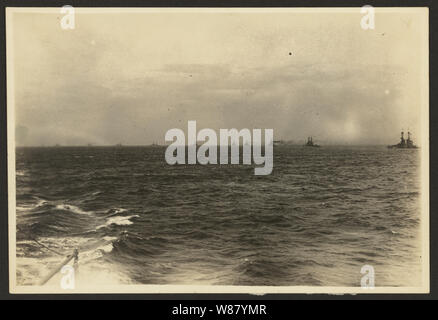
x: 218, y: 150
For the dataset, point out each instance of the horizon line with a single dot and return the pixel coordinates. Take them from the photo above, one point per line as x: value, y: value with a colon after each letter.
x: 166, y: 145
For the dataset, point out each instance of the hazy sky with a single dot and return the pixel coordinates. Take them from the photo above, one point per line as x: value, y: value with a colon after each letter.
x: 129, y: 77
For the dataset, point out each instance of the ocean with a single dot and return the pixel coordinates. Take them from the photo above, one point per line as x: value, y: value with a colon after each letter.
x: 319, y: 217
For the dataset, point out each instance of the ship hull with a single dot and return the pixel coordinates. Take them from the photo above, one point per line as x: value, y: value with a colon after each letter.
x: 399, y: 147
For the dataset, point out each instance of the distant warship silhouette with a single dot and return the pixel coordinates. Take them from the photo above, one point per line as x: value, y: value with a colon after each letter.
x: 310, y: 143
x: 404, y: 143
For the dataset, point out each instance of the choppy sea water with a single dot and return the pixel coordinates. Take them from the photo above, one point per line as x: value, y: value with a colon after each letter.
x: 319, y: 217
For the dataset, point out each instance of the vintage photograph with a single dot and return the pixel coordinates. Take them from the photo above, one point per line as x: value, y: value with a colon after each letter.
x: 218, y: 150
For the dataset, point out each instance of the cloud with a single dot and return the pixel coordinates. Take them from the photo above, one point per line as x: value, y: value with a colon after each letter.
x: 126, y: 79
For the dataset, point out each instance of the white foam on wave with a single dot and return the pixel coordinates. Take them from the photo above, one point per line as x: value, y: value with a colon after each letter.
x: 109, y: 238
x: 91, y: 255
x: 106, y: 248
x: 23, y: 208
x: 28, y: 207
x: 20, y: 173
x: 31, y: 268
x: 119, y: 210
x: 120, y: 221
x: 96, y: 250
x: 40, y: 203
x: 69, y: 207
x: 90, y: 273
